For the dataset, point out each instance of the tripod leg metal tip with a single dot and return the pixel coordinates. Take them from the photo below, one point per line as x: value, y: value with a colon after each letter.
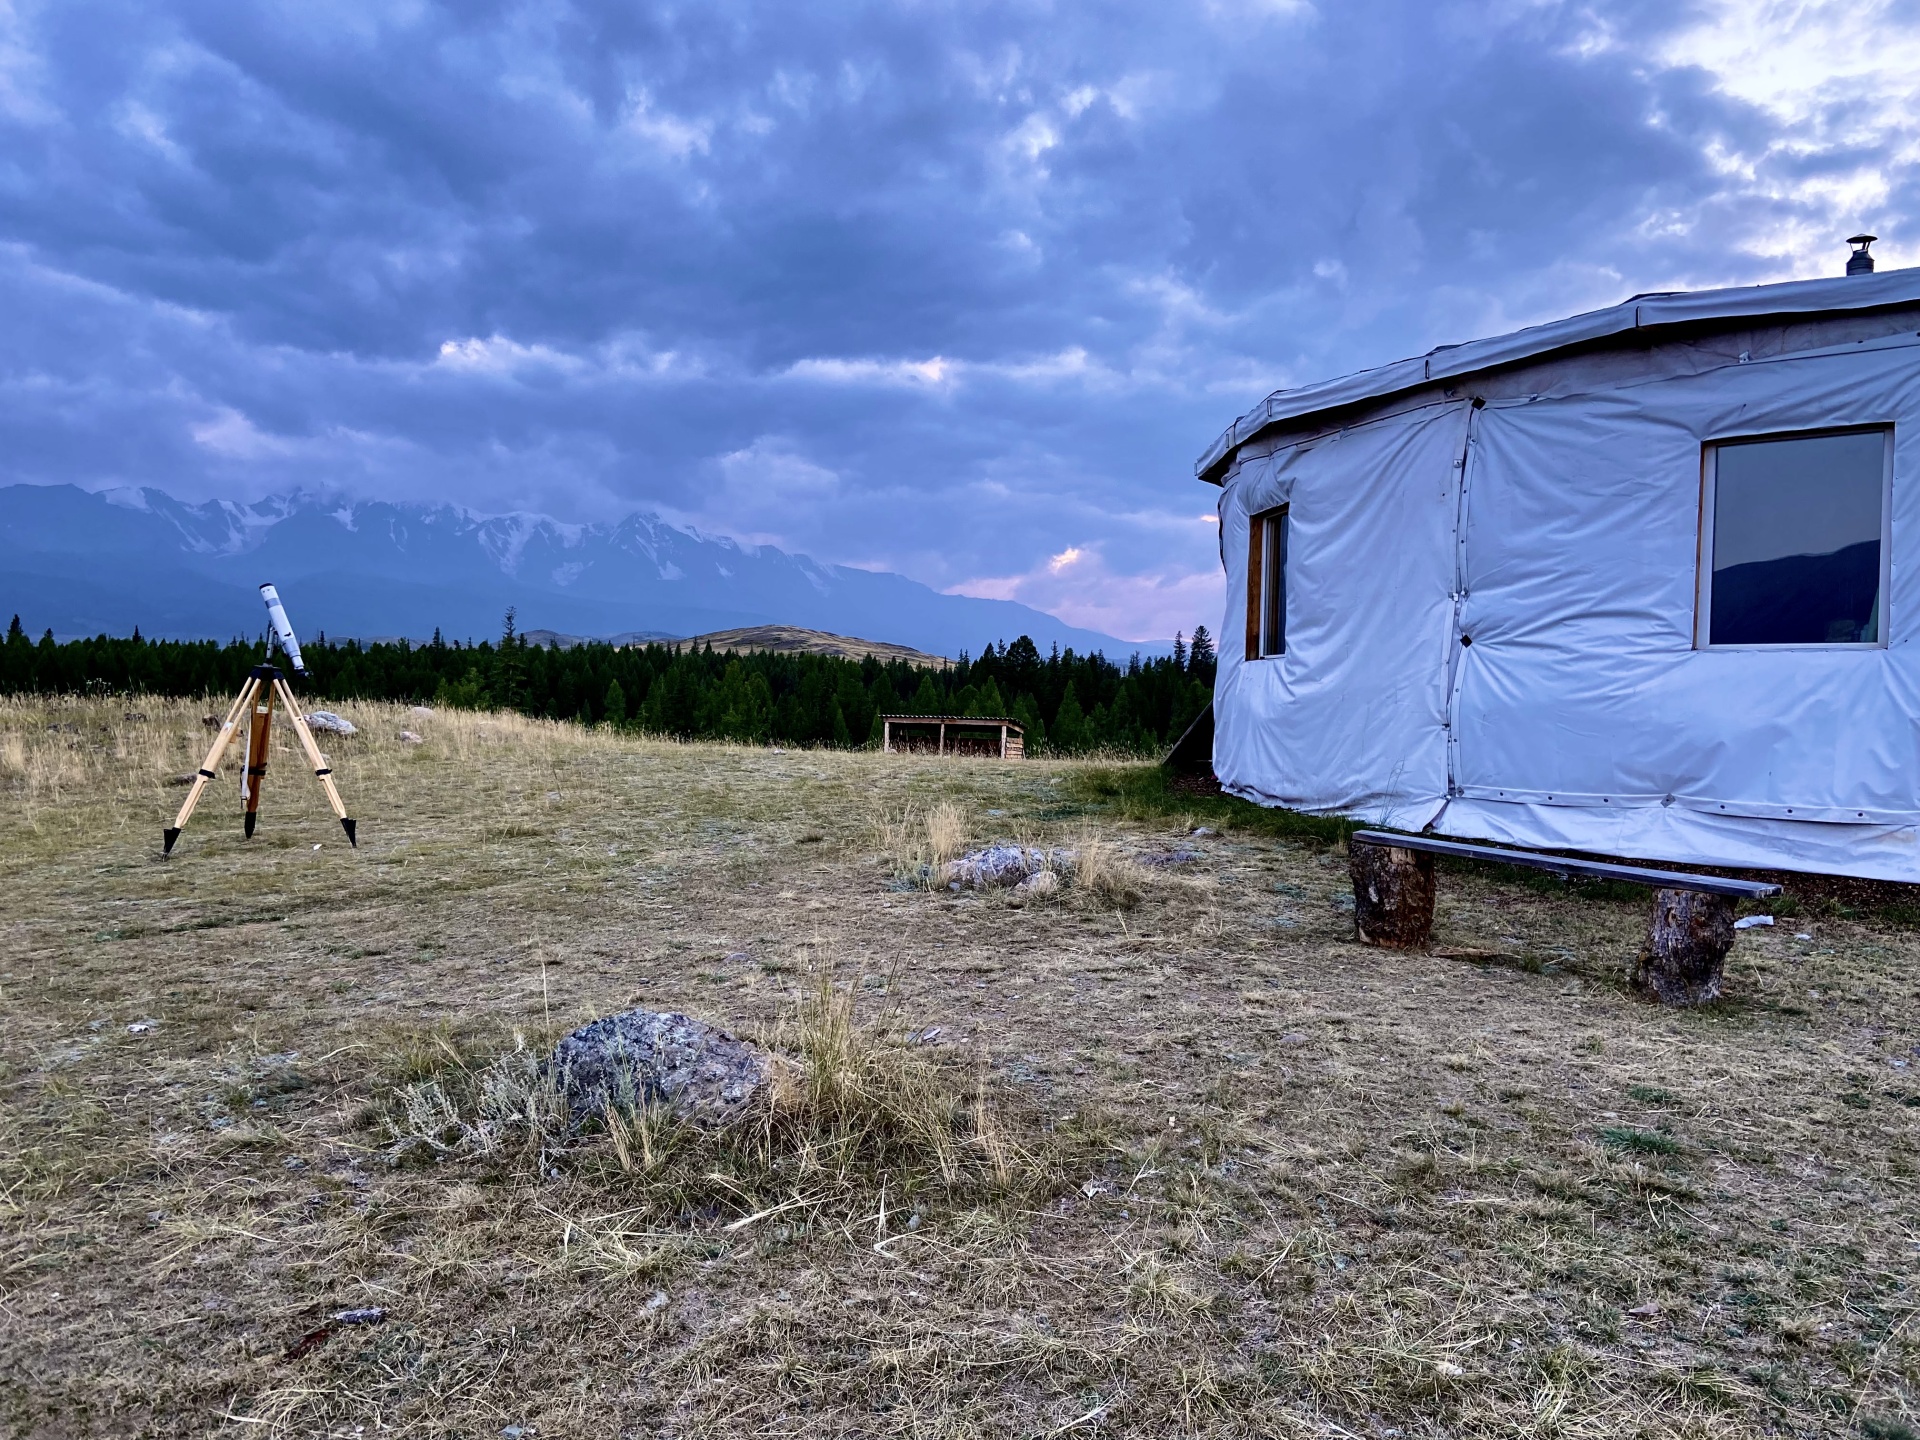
x: 249, y: 825
x: 347, y: 823
x: 168, y: 836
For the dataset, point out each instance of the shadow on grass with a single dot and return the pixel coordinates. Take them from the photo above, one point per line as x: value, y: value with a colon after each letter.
x: 1152, y: 792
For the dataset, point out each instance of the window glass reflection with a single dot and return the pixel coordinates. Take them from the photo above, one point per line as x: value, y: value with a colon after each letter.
x: 1796, y: 540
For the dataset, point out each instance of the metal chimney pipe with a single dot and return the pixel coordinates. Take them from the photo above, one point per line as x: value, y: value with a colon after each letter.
x: 1860, y: 262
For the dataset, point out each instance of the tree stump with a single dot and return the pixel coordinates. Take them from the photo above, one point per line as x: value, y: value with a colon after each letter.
x: 1687, y: 943
x: 1392, y: 895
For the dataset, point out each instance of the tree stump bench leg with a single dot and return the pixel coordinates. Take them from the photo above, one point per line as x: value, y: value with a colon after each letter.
x: 1687, y: 943
x: 1392, y: 896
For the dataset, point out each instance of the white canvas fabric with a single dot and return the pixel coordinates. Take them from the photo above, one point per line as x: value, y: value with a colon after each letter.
x: 1581, y: 715
x: 1350, y: 717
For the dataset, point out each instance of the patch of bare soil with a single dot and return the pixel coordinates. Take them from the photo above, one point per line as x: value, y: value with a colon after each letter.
x: 1162, y: 1151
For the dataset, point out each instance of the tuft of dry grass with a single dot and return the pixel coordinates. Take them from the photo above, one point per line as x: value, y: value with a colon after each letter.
x: 1105, y: 876
x: 918, y: 842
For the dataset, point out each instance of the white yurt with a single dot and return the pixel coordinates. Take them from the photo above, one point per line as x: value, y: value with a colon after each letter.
x: 1644, y: 582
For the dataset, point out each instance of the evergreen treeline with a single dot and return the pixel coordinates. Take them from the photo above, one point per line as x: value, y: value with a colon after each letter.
x: 1067, y: 702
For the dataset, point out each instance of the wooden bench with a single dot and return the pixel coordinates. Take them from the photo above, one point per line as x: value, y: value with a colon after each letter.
x: 1687, y: 938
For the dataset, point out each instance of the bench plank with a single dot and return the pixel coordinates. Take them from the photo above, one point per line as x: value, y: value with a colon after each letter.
x: 1561, y: 865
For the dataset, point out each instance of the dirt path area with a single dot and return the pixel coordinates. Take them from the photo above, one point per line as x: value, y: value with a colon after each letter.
x: 1276, y: 1183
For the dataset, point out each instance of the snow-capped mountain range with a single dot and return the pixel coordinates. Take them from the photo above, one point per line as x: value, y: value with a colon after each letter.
x: 90, y: 562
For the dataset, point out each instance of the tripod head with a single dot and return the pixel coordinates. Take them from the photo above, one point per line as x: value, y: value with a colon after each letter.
x: 283, y: 631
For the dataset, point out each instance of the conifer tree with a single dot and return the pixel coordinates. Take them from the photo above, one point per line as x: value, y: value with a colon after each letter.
x: 1028, y: 714
x: 926, y: 700
x: 616, y: 704
x: 1069, y: 733
x: 1202, y: 651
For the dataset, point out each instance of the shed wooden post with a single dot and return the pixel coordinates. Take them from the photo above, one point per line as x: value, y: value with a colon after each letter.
x: 1003, y: 742
x: 886, y: 736
x: 943, y: 737
x: 1392, y: 895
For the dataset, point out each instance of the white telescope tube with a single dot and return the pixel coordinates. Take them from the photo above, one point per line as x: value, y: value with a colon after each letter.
x: 283, y: 629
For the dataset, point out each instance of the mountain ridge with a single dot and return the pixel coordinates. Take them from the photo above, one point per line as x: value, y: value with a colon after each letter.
x: 87, y: 562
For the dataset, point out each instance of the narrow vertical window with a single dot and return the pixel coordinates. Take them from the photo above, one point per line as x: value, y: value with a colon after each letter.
x: 1267, y: 584
x: 1793, y: 544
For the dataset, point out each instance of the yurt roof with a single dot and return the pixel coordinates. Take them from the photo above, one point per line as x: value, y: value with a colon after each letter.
x: 1642, y: 313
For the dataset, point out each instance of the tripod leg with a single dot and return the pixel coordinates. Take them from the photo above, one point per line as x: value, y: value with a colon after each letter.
x: 322, y: 771
x: 210, y: 766
x: 257, y: 736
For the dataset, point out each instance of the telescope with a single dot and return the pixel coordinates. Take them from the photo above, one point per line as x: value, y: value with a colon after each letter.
x: 283, y: 631
x: 264, y: 686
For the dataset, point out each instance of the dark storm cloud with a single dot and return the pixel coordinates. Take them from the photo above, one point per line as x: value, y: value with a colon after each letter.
x: 948, y: 288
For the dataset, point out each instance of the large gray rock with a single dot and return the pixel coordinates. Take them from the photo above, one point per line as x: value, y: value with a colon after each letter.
x: 1005, y: 865
x: 331, y: 724
x: 639, y: 1057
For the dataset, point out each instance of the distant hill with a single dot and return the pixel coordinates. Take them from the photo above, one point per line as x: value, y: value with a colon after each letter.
x: 86, y: 563
x: 790, y: 639
x: 781, y: 639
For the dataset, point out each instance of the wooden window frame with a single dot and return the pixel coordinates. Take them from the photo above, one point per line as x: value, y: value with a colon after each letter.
x: 1267, y: 584
x: 1703, y: 575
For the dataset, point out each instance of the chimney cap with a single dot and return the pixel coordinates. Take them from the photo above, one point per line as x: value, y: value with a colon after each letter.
x: 1860, y: 262
x: 1861, y: 239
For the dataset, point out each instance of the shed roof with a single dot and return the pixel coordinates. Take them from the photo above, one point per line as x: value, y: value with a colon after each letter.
x: 1641, y: 313
x: 984, y: 722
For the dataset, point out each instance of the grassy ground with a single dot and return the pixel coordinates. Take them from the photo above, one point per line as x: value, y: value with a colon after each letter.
x: 1216, y: 1169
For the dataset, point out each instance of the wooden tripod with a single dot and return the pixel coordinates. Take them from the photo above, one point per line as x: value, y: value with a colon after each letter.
x: 264, y: 686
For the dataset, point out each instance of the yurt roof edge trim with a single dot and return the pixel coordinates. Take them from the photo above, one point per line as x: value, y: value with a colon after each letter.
x: 1642, y: 312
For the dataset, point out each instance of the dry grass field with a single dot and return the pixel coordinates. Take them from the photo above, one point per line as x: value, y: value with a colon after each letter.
x: 1164, y: 1154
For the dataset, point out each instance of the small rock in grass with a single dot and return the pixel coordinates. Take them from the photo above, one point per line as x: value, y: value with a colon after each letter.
x: 1041, y: 882
x: 1750, y: 921
x: 1167, y: 859
x: 701, y: 1072
x: 142, y: 1027
x: 331, y: 723
x: 421, y: 710
x: 1646, y: 1311
x: 186, y: 779
x: 407, y: 737
x: 1200, y: 830
x: 1292, y: 1037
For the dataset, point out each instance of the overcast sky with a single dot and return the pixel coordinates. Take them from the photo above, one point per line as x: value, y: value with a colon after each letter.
x: 959, y: 290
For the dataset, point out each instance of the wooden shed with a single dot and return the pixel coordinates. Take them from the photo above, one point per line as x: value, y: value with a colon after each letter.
x: 993, y: 735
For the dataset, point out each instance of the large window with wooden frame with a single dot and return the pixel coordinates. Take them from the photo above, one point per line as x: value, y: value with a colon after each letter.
x: 1267, y: 584
x: 1793, y: 540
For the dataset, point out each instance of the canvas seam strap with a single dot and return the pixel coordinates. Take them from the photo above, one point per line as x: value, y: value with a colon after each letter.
x: 1454, y: 647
